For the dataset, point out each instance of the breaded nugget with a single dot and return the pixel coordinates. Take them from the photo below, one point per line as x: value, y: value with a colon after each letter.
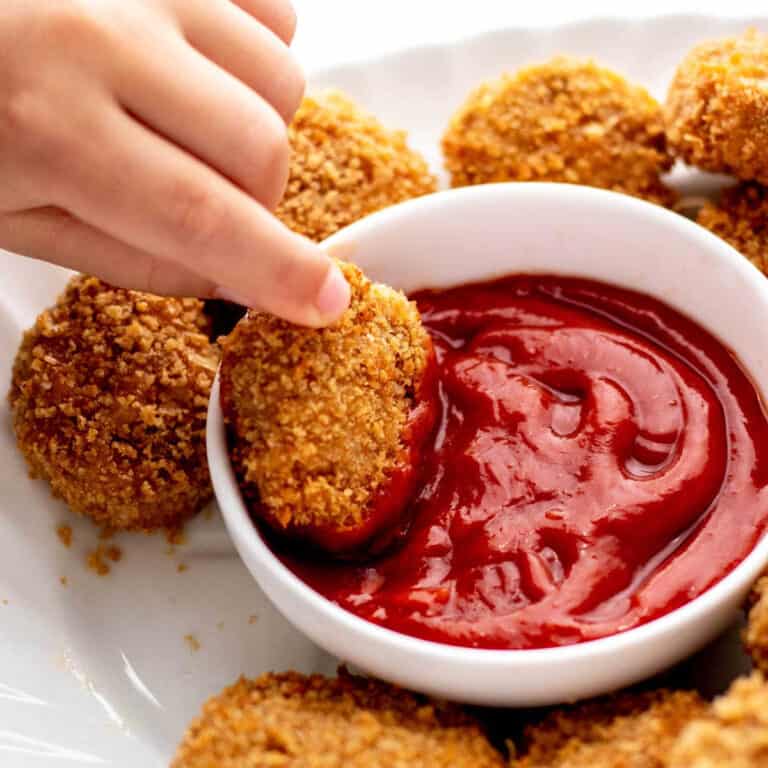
x: 324, y: 422
x: 345, y: 165
x: 716, y: 110
x: 734, y: 735
x: 109, y: 397
x: 566, y: 120
x: 741, y: 219
x: 629, y: 730
x: 294, y: 721
x: 756, y: 632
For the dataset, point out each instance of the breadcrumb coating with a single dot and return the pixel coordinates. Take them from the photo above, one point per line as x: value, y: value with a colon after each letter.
x: 756, y: 632
x: 716, y: 110
x: 566, y: 120
x: 109, y: 397
x: 345, y: 165
x: 629, y: 730
x: 318, y: 416
x: 735, y: 735
x: 294, y: 721
x: 741, y: 219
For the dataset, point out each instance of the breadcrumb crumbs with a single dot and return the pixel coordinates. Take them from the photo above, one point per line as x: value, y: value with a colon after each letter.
x: 566, y: 120
x: 253, y: 618
x: 181, y: 567
x: 294, y: 721
x: 64, y: 532
x: 756, y: 632
x: 345, y: 165
x: 63, y: 581
x: 109, y: 397
x: 317, y: 416
x: 192, y: 642
x: 629, y: 730
x: 97, y: 560
x: 734, y: 735
x: 741, y: 219
x: 716, y: 110
x: 94, y: 561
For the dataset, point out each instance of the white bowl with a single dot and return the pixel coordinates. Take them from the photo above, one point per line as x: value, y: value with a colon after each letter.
x: 483, y: 232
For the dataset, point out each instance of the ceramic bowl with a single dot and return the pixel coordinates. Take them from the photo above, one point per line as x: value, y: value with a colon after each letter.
x: 479, y: 233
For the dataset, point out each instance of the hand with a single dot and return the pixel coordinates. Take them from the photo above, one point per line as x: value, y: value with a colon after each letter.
x: 145, y: 141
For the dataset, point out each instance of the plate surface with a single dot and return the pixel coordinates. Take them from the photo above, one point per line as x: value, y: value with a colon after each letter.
x: 106, y: 671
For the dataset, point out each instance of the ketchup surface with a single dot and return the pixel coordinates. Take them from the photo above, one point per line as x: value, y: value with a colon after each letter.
x: 596, y: 463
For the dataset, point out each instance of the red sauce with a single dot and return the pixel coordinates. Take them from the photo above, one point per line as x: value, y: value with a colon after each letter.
x: 595, y: 465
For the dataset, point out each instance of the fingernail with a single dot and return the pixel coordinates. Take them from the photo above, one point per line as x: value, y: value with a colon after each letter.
x: 227, y: 295
x: 333, y: 297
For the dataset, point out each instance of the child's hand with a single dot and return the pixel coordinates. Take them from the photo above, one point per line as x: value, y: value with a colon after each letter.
x: 143, y: 141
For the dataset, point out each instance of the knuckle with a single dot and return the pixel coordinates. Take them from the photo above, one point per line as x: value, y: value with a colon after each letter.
x: 25, y: 125
x: 73, y: 22
x: 195, y: 216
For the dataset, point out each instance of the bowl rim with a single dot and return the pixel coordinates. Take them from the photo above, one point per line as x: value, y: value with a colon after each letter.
x: 246, y: 535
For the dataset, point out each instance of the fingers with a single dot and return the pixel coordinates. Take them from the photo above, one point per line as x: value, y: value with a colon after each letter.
x: 278, y: 15
x: 237, y: 42
x: 180, y: 94
x: 144, y: 191
x: 52, y: 235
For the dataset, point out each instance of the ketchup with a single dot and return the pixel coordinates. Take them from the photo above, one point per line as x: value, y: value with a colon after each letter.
x: 596, y: 463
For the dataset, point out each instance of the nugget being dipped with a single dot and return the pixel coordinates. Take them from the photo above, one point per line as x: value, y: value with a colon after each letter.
x: 756, y: 632
x: 741, y: 219
x: 296, y: 721
x: 716, y: 110
x: 326, y: 424
x: 566, y: 120
x: 629, y: 730
x: 109, y: 397
x: 345, y: 164
x: 733, y: 735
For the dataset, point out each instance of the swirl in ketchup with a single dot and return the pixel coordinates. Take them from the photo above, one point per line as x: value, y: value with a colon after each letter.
x: 597, y: 463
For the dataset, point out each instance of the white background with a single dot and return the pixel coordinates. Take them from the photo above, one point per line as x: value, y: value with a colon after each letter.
x: 335, y: 31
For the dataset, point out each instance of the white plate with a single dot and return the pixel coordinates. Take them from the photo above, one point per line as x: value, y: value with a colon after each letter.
x: 98, y: 672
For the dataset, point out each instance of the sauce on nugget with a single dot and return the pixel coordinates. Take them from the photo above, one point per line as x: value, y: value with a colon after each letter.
x: 595, y: 466
x: 326, y: 426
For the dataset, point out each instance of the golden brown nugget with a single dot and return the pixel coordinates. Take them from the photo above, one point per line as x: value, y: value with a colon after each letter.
x: 756, y: 631
x: 741, y: 219
x: 109, y: 398
x: 566, y: 120
x: 734, y: 735
x: 294, y: 721
x: 716, y: 110
x: 323, y: 422
x: 629, y: 730
x: 345, y: 165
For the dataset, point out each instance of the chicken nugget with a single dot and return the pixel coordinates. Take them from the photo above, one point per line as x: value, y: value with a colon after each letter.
x: 741, y: 219
x: 756, y: 632
x: 345, y: 165
x: 326, y: 424
x: 734, y: 735
x: 294, y: 721
x: 628, y: 730
x: 566, y: 120
x: 716, y: 110
x: 109, y: 397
